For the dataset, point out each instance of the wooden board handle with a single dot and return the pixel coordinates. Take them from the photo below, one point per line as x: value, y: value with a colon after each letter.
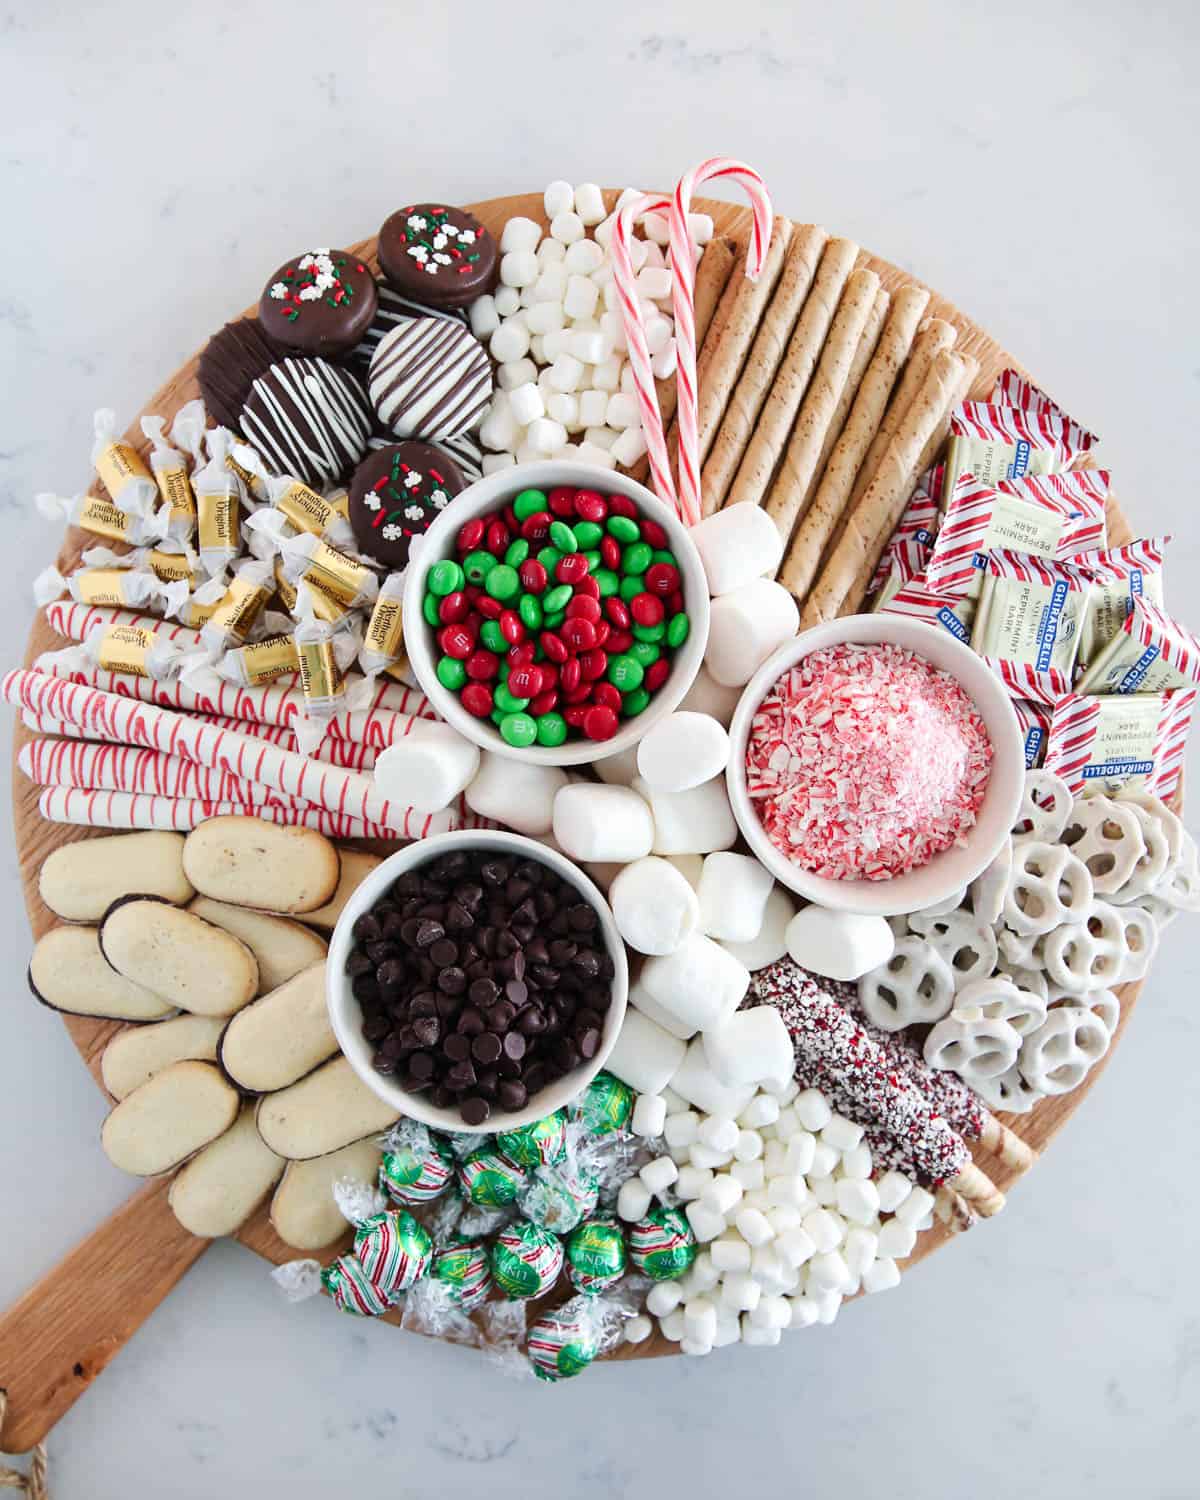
x: 57, y: 1338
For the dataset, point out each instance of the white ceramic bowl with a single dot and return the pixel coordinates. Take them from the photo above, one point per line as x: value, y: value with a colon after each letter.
x: 345, y: 1013
x: 951, y: 869
x: 490, y: 494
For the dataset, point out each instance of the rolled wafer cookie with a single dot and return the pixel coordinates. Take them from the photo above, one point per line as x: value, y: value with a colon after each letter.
x: 932, y: 337
x: 953, y: 1210
x: 740, y: 312
x: 934, y: 445
x: 1007, y: 1145
x: 873, y: 519
x: 804, y: 348
x: 978, y: 1189
x: 832, y: 495
x: 766, y: 355
x: 867, y: 344
x: 786, y: 496
x: 712, y: 277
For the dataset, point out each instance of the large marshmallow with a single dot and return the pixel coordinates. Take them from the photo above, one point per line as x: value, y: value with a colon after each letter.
x: 654, y: 906
x: 428, y: 768
x: 649, y: 1006
x: 645, y: 1056
x: 597, y: 822
x: 700, y: 983
x: 515, y: 793
x: 745, y: 627
x: 770, y: 942
x: 839, y: 944
x: 683, y: 750
x: 733, y: 896
x: 698, y: 821
x: 696, y: 1082
x: 707, y: 696
x: 737, y: 545
x: 750, y: 1046
x: 620, y: 769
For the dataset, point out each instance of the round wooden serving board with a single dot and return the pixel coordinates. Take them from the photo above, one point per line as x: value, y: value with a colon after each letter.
x: 164, y: 1248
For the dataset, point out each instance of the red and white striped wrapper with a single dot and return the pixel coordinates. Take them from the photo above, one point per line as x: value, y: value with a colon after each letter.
x: 340, y: 792
x: 1115, y: 739
x: 101, y: 809
x: 1073, y: 522
x: 1030, y: 638
x: 683, y: 267
x: 126, y: 768
x: 917, y: 601
x: 1176, y: 645
x: 75, y: 620
x: 1037, y: 684
x: 1013, y: 389
x: 1034, y: 719
x: 919, y: 523
x: 1044, y: 428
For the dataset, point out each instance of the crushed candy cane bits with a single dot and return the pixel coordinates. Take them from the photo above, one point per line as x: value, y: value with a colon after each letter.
x: 866, y: 761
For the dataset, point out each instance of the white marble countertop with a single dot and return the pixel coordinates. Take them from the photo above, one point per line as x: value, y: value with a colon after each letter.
x: 1032, y: 163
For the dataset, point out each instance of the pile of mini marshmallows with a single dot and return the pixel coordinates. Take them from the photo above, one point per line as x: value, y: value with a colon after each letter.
x: 565, y: 388
x: 782, y: 1201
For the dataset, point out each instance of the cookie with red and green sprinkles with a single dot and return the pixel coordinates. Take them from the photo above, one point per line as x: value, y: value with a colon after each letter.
x: 439, y: 255
x: 321, y: 302
x: 396, y: 494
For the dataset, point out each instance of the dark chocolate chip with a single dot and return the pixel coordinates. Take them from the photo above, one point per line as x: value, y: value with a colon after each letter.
x: 475, y: 1110
x: 486, y: 1047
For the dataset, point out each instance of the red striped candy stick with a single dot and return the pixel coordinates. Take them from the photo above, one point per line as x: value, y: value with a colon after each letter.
x: 343, y: 793
x: 683, y: 268
x: 75, y: 620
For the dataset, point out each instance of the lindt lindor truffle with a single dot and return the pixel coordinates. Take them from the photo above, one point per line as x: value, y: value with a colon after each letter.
x: 321, y: 302
x: 438, y: 255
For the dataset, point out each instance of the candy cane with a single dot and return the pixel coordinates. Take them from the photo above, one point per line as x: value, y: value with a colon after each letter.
x: 625, y: 280
x: 683, y: 269
x: 342, y: 793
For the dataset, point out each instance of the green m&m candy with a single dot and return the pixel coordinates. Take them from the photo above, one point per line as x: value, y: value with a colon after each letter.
x: 429, y: 609
x: 516, y: 552
x: 530, y: 611
x: 563, y: 537
x: 678, y: 629
x: 491, y: 636
x: 502, y: 582
x: 557, y: 598
x: 636, y: 559
x: 624, y: 528
x: 489, y: 1180
x: 451, y: 674
x: 596, y: 1256
x: 346, y: 1283
x: 477, y: 566
x: 394, y: 1249
x: 604, y: 1106
x: 625, y: 673
x: 525, y: 1260
x: 607, y: 581
x: 559, y: 1197
x: 541, y: 1143
x: 630, y: 588
x: 529, y: 503
x: 518, y: 730
x: 587, y: 534
x: 419, y: 1170
x: 635, y: 703
x: 462, y: 1268
x: 662, y: 1244
x: 445, y: 577
x: 507, y: 701
x: 551, y: 730
x: 561, y: 1343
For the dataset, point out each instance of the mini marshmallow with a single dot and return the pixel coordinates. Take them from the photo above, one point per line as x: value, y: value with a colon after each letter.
x: 733, y: 898
x: 740, y: 1291
x: 520, y: 235
x: 598, y: 822
x: 825, y: 1158
x: 659, y: 1174
x: 857, y: 1163
x: 796, y: 1246
x: 682, y: 1128
x: 545, y: 436
x: 543, y: 318
x: 507, y: 300
x: 581, y: 297
x: 699, y: 983
x: 858, y: 1200
x: 718, y: 1132
x: 729, y: 1254
x: 566, y: 372
x: 566, y: 227
x: 823, y: 1189
x: 510, y: 341
x: 747, y: 625
x: 696, y: 1081
x: 649, y: 1116
x: 516, y: 372
x: 622, y: 410
x: 760, y: 1338
x: 682, y: 751
x: 896, y: 1239
x: 706, y: 1225
x: 593, y: 408
x: 564, y: 408
x: 559, y: 198
x: 694, y: 1349
x: 774, y: 1157
x: 708, y: 1156
x: 841, y: 945
x: 693, y: 1182
x: 860, y: 1250
x: 762, y: 1110
x: 748, y: 1046
x: 671, y: 1326
x: 749, y: 1146
x: 812, y: 1109
x: 659, y: 332
x: 841, y: 1134
x: 550, y: 251
x: 551, y: 285
x: 801, y: 1151
x: 606, y: 376
x: 589, y: 203
x: 823, y: 1230
x: 894, y: 1188
x: 697, y: 821
x: 770, y: 942
x: 633, y: 1200
x: 483, y: 317
x: 629, y: 447
x: 589, y: 453
x: 751, y: 1174
x: 638, y: 1328
x: 722, y: 1195
x: 664, y: 364
x: 771, y: 1312
x: 881, y: 1276
x: 428, y: 768
x: 700, y: 1319
x: 757, y: 1198
x: 804, y: 1311
x: 654, y: 282
x: 587, y: 346
x: 515, y: 793
x: 704, y: 1275
x: 736, y: 546
x: 583, y: 258
x: 787, y: 1125
x: 645, y: 1056
x: 519, y: 268
x: 663, y: 1298
x: 828, y: 1272
x: 655, y: 909
x: 788, y: 1192
x: 526, y: 403
x: 915, y: 1206
x: 753, y: 1226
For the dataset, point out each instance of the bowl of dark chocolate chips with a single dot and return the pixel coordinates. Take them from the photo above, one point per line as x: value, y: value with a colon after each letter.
x: 476, y: 981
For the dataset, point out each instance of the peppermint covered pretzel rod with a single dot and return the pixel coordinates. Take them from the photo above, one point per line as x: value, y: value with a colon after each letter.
x: 340, y: 792
x: 98, y: 809
x: 73, y: 620
x: 828, y: 1038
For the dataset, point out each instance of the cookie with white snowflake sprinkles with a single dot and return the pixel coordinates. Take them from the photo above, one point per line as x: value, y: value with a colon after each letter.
x: 321, y: 302
x: 307, y: 418
x: 430, y: 378
x: 440, y: 256
x: 395, y: 496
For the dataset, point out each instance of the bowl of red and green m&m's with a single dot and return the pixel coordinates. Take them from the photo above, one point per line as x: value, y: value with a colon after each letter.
x: 555, y: 611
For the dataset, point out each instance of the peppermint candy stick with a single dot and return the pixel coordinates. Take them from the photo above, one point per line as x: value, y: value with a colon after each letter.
x: 828, y: 1038
x: 96, y: 809
x: 342, y: 793
x: 75, y: 620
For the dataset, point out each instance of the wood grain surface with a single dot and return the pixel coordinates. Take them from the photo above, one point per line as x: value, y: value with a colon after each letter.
x: 57, y: 1337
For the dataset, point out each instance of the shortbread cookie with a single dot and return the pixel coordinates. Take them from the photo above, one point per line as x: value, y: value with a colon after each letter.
x: 80, y: 881
x: 281, y: 1037
x: 322, y: 1113
x: 282, y: 948
x: 247, y: 862
x: 168, y: 1119
x: 222, y: 1185
x: 69, y: 973
x: 135, y: 1055
x: 189, y: 962
x: 304, y: 1213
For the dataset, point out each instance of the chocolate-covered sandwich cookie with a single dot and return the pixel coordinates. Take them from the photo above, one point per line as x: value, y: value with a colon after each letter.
x: 438, y: 255
x: 322, y: 302
x: 395, y: 496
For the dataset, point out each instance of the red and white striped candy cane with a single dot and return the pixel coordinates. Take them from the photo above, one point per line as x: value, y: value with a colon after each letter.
x: 625, y: 280
x: 683, y: 268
